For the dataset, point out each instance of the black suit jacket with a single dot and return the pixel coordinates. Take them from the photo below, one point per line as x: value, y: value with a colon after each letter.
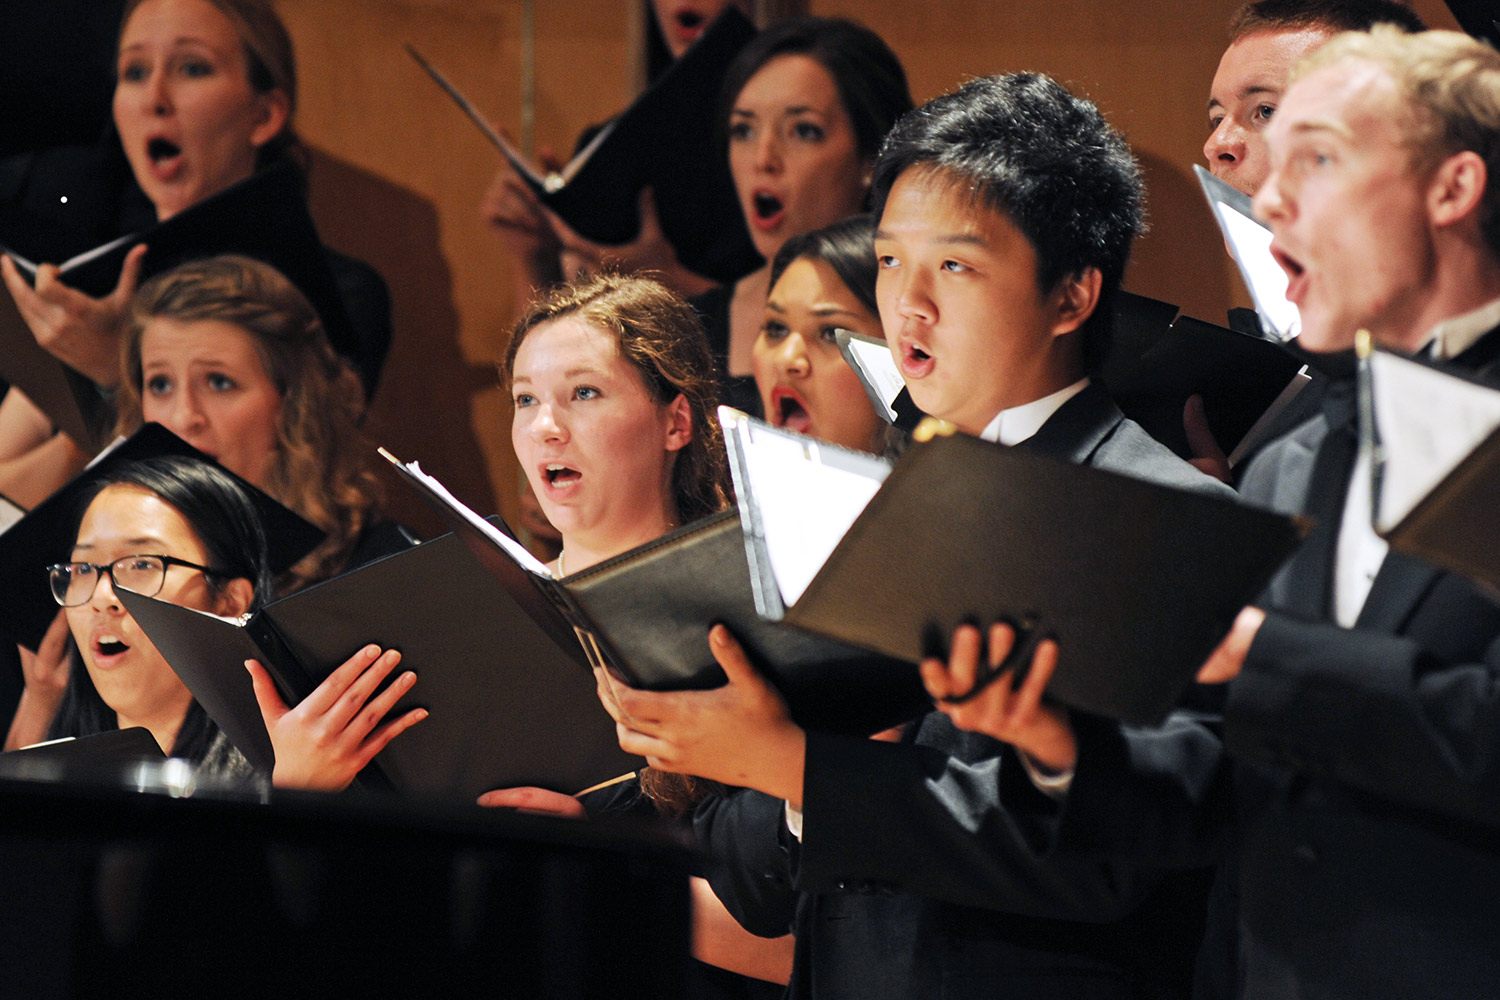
x: 1363, y: 810
x: 911, y: 880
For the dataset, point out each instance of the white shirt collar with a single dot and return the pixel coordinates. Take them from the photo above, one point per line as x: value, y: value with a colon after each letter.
x: 1018, y: 423
x: 1453, y: 336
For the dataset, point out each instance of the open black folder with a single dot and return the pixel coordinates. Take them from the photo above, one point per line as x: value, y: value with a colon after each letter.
x: 1245, y: 382
x: 645, y: 614
x: 508, y: 706
x: 1137, y: 582
x: 666, y: 140
x: 264, y: 217
x: 1433, y: 436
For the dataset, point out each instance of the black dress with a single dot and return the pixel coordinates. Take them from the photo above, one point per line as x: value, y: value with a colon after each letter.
x: 738, y: 391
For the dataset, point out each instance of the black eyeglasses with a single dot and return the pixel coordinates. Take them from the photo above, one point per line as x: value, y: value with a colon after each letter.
x: 73, y: 583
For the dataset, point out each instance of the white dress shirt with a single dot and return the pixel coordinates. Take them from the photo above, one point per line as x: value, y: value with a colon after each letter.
x: 1360, y: 551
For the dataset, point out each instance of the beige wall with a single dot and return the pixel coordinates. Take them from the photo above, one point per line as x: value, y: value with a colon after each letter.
x: 399, y: 173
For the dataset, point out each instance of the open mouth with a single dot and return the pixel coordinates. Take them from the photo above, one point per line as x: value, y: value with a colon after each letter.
x: 110, y: 647
x: 767, y: 209
x: 689, y: 20
x: 915, y: 361
x: 788, y: 410
x: 1294, y: 271
x: 160, y: 149
x: 560, y: 475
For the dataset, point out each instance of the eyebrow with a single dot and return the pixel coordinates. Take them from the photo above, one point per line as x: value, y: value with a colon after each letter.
x: 570, y: 373
x: 143, y: 540
x: 1255, y: 90
x: 796, y: 109
x: 1322, y: 125
x: 179, y: 40
x: 827, y: 310
x: 947, y: 239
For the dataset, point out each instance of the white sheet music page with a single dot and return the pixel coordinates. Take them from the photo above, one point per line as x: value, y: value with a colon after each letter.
x: 806, y: 504
x: 1250, y: 242
x: 10, y: 513
x: 1428, y: 421
x: 880, y: 370
x: 513, y: 548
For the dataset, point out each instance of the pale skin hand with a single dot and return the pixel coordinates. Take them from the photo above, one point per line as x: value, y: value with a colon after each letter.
x: 325, y: 741
x: 46, y: 676
x: 42, y: 471
x: 1208, y: 457
x: 1228, y: 658
x: 1017, y: 716
x: 738, y: 734
x: 518, y: 217
x: 23, y: 425
x: 538, y: 800
x: 77, y: 329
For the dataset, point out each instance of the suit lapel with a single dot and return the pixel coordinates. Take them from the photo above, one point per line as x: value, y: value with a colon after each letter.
x: 1078, y: 427
x: 1399, y: 586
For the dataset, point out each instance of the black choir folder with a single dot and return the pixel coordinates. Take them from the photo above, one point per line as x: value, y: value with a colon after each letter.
x: 1137, y: 582
x: 1434, y: 439
x: 645, y: 614
x: 665, y: 140
x: 507, y: 705
x: 264, y: 217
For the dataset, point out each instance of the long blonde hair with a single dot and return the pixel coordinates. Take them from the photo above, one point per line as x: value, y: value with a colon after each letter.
x: 320, y: 468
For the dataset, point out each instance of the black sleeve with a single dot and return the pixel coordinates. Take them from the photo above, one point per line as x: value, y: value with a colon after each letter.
x: 741, y: 833
x: 945, y: 831
x: 368, y: 303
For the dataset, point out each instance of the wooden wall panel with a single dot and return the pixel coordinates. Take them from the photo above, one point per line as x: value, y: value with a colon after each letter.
x: 398, y: 174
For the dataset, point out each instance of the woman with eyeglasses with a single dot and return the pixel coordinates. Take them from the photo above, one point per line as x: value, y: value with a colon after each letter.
x: 179, y: 530
x: 171, y: 528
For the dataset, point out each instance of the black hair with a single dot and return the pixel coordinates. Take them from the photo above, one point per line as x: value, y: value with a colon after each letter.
x: 1335, y: 15
x: 847, y: 246
x: 871, y: 83
x: 224, y: 518
x: 1049, y: 162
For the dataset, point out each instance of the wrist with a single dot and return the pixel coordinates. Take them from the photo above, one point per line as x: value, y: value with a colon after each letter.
x: 1056, y: 753
x: 786, y: 762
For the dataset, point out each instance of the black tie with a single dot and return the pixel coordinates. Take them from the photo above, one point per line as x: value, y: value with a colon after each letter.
x: 1310, y: 572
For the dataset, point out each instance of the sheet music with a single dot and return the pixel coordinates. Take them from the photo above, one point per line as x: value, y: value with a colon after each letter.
x: 512, y: 547
x: 1250, y: 246
x: 872, y: 359
x: 1250, y: 242
x: 806, y: 495
x: 10, y: 513
x: 1427, y: 422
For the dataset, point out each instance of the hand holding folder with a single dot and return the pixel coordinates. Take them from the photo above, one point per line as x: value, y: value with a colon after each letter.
x: 1004, y: 702
x: 332, y: 734
x: 740, y: 733
x: 78, y: 329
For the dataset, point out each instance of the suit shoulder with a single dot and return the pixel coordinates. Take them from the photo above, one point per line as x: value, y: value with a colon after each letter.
x: 1278, y: 476
x: 1129, y: 450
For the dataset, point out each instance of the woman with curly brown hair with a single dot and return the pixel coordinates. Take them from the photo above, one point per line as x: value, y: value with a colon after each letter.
x: 228, y: 355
